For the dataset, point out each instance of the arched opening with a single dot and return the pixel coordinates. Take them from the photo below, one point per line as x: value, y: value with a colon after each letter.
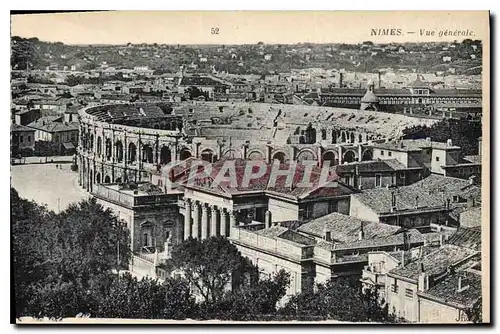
x: 352, y: 137
x: 232, y: 154
x: 310, y: 134
x: 367, y: 155
x: 349, y: 156
x: 132, y: 152
x: 147, y: 237
x: 302, y: 140
x: 118, y: 180
x: 208, y: 155
x: 108, y: 149
x: 332, y: 157
x: 255, y: 155
x: 185, y: 154
x: 98, y: 178
x: 334, y: 137
x: 165, y: 155
x: 343, y: 140
x: 119, y: 151
x: 91, y: 146
x: 147, y: 154
x: 99, y: 145
x: 305, y: 156
x: 279, y: 156
x: 107, y: 179
x: 323, y: 134
x: 91, y: 180
x: 360, y: 138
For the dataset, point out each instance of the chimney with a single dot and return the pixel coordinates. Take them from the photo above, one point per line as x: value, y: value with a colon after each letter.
x: 379, y: 80
x: 471, y: 180
x: 341, y: 79
x: 428, y: 139
x: 423, y: 282
x: 449, y: 142
x: 442, y: 240
x: 393, y: 201
x: 268, y: 219
x: 461, y: 286
x: 416, y: 202
x: 403, y: 259
x: 328, y: 235
x: 361, y: 233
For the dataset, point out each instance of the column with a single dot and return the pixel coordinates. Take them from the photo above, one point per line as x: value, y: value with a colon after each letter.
x: 340, y: 155
x: 360, y: 152
x: 196, y: 220
x: 213, y: 221
x: 320, y: 156
x: 204, y: 221
x: 232, y: 221
x: 187, y: 219
x: 223, y: 223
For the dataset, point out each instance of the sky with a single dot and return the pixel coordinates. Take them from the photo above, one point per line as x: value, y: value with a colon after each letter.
x: 238, y: 27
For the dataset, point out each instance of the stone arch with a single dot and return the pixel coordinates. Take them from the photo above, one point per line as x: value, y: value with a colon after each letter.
x: 334, y: 137
x: 107, y: 179
x: 343, y: 137
x: 108, y: 149
x: 147, y: 235
x: 281, y: 156
x: 98, y: 178
x: 310, y: 134
x: 352, y: 137
x: 367, y: 155
x: 119, y: 151
x: 306, y: 155
x: 185, y: 153
x: 302, y: 140
x: 99, y: 145
x: 147, y: 153
x: 255, y: 155
x: 323, y: 134
x: 332, y: 157
x: 232, y: 154
x: 91, y: 146
x: 360, y: 138
x: 349, y: 156
x: 132, y: 152
x: 208, y: 154
x: 165, y: 155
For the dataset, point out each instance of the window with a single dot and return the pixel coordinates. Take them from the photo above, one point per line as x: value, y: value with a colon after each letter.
x: 333, y: 207
x: 389, y: 154
x: 394, y: 288
x: 437, y: 158
x: 29, y: 139
x: 381, y: 152
x: 409, y: 293
x: 21, y: 139
x: 378, y: 180
x: 308, y: 211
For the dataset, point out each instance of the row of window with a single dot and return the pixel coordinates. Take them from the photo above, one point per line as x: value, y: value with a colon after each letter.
x: 408, y: 292
x: 21, y: 139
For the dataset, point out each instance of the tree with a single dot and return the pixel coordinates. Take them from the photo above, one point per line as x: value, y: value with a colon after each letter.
x: 209, y: 264
x: 60, y: 259
x: 128, y: 297
x: 336, y: 300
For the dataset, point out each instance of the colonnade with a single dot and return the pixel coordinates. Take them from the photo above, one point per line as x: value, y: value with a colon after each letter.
x: 202, y: 220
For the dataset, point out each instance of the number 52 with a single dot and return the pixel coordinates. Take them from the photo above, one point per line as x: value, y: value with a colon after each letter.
x: 214, y: 31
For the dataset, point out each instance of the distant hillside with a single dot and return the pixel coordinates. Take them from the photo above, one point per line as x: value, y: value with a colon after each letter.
x: 251, y: 59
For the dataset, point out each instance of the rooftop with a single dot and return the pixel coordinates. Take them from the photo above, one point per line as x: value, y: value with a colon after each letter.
x: 447, y: 290
x: 20, y: 128
x: 411, y: 145
x: 436, y: 262
x: 53, y: 124
x: 370, y: 166
x: 467, y: 237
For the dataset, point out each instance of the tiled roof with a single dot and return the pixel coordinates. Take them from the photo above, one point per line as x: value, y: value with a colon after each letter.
x: 432, y: 192
x: 410, y: 145
x: 345, y: 228
x: 447, y: 291
x: 467, y: 237
x: 416, y: 238
x: 20, y: 128
x: 370, y: 166
x: 436, y: 262
x: 53, y: 124
x: 473, y: 158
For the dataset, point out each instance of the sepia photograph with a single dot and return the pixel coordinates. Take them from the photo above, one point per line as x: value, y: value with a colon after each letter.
x: 320, y: 167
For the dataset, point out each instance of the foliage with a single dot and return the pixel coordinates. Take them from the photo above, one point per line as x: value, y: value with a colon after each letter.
x: 128, y: 297
x: 336, y: 300
x: 208, y: 265
x: 462, y: 133
x: 59, y: 259
x: 195, y: 92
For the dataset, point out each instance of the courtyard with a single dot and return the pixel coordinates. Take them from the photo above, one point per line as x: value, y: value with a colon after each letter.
x: 46, y: 184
